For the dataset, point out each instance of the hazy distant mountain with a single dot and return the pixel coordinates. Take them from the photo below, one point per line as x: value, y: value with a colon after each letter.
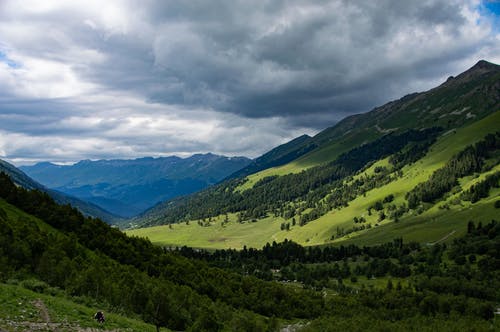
x: 89, y: 209
x: 128, y: 187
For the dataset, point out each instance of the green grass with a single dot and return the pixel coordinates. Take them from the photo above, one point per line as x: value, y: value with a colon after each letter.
x: 431, y: 226
x: 216, y: 236
x: 18, y: 311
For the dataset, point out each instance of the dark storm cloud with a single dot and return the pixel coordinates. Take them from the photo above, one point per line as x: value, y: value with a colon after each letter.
x: 290, y: 58
x: 237, y: 77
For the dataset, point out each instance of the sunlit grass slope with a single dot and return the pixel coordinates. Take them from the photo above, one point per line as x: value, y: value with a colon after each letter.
x: 324, y: 154
x: 432, y: 225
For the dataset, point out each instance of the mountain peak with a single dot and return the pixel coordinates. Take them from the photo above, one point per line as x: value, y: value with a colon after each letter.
x: 481, y: 68
x: 483, y: 64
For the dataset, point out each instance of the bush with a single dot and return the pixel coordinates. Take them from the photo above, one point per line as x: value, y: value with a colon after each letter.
x: 35, y: 285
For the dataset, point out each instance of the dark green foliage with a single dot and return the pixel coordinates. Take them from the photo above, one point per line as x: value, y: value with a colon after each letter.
x: 188, y: 294
x: 482, y: 189
x: 438, y: 289
x: 411, y: 153
x: 130, y: 273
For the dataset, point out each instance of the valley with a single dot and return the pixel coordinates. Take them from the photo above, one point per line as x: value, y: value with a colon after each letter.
x: 237, y: 166
x: 375, y: 223
x: 126, y: 188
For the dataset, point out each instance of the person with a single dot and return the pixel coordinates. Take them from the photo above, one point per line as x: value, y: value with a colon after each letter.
x: 99, y: 317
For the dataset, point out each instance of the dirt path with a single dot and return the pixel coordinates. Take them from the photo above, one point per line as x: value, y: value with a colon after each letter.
x: 293, y: 327
x: 443, y: 238
x: 45, y: 324
x: 42, y: 309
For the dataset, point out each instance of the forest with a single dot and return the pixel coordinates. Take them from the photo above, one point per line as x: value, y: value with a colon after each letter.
x: 250, y: 290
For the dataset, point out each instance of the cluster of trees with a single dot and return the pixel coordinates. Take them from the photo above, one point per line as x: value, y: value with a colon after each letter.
x: 320, y: 188
x: 411, y: 153
x: 482, y: 188
x: 466, y: 162
x: 469, y: 285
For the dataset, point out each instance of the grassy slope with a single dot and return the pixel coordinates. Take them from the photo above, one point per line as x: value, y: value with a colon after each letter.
x: 324, y: 154
x: 18, y: 311
x: 431, y: 226
x: 17, y: 306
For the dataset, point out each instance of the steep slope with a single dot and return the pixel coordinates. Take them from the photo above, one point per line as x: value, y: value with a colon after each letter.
x: 460, y: 100
x: 61, y: 251
x: 278, y: 156
x: 327, y: 183
x: 89, y: 209
x: 128, y: 187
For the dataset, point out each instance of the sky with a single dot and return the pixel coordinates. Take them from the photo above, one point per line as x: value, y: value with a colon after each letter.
x: 97, y: 79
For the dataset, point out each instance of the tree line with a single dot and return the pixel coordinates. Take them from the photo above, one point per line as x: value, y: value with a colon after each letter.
x: 466, y: 162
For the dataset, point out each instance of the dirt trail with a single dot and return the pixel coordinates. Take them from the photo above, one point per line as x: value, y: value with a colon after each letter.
x: 443, y: 238
x: 42, y: 309
x: 46, y: 324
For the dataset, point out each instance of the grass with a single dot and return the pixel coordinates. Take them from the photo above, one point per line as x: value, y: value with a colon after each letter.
x: 430, y: 226
x: 18, y: 311
x: 216, y: 236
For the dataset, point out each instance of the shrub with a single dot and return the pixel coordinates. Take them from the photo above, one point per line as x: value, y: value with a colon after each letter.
x: 35, y: 285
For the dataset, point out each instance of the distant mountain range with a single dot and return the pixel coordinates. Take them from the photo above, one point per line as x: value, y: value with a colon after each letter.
x: 89, y: 209
x: 128, y: 187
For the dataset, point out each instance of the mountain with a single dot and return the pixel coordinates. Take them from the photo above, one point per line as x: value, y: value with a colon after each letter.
x: 89, y: 209
x: 128, y: 187
x: 393, y: 166
x: 459, y: 101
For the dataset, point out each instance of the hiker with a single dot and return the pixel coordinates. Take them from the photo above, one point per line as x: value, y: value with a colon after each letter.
x: 99, y: 317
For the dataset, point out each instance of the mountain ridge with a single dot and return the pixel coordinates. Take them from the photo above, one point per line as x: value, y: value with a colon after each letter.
x: 89, y: 209
x: 127, y: 187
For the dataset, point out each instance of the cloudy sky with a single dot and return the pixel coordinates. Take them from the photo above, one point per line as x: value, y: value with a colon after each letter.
x: 97, y: 79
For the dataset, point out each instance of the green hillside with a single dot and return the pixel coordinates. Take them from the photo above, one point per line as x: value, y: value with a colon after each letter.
x: 459, y: 101
x: 224, y: 232
x: 48, y: 309
x: 54, y: 250
x: 58, y: 267
x: 321, y: 197
x: 278, y: 156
